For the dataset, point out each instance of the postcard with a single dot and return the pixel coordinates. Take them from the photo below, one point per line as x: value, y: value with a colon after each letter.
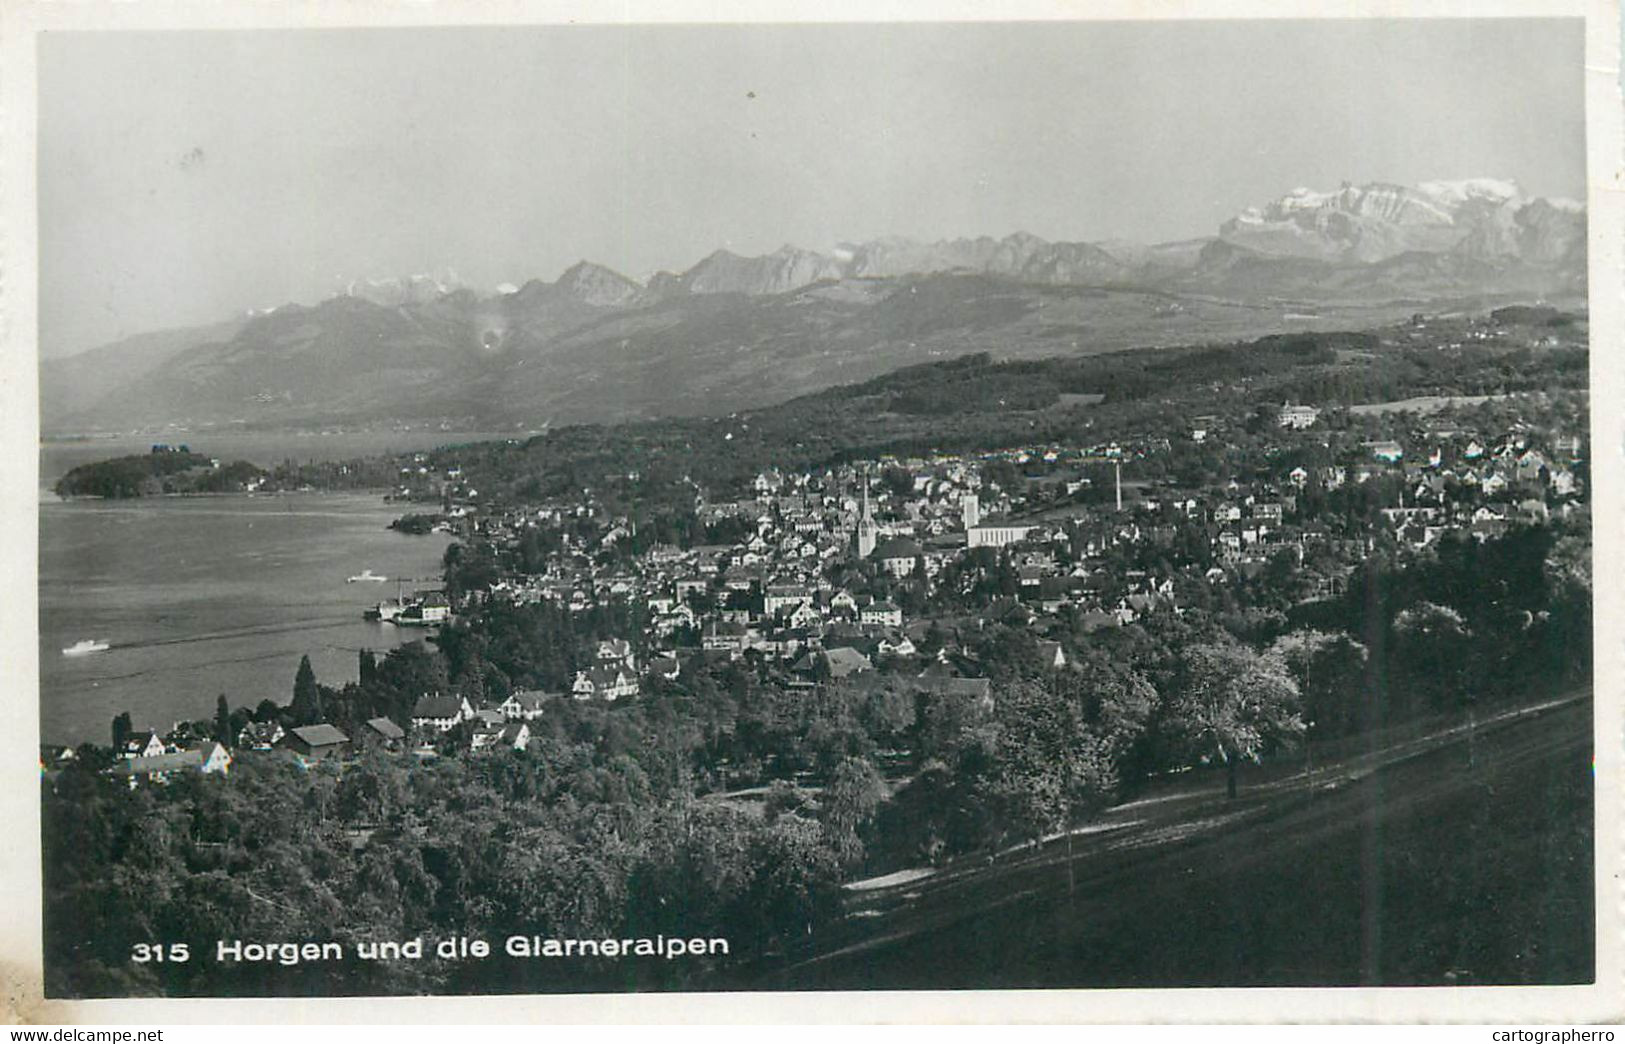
x: 1050, y: 511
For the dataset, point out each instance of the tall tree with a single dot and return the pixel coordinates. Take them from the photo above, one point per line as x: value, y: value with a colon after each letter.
x: 307, y: 695
x: 850, y: 801
x: 1233, y: 703
x: 122, y: 728
x: 1052, y: 764
x: 1330, y: 669
x: 222, y: 720
x: 1433, y: 648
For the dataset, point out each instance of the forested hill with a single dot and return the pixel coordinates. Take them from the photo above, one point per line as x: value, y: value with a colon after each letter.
x: 163, y: 471
x: 975, y: 403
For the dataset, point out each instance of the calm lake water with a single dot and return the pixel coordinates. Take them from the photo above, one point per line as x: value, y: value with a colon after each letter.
x: 210, y: 595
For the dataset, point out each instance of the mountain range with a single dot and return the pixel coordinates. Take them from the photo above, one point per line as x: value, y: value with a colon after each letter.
x: 733, y: 332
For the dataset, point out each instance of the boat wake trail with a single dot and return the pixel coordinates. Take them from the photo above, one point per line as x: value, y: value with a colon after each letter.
x: 182, y: 668
x: 320, y: 623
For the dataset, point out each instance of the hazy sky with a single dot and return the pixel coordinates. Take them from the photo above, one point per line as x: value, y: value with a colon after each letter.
x: 188, y: 176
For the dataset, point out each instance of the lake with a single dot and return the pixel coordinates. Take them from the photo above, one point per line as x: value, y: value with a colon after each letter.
x: 200, y: 596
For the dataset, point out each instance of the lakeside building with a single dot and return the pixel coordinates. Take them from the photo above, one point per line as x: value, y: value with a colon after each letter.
x: 208, y: 759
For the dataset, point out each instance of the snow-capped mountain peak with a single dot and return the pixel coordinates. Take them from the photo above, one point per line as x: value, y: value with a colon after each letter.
x: 1455, y: 193
x: 400, y: 290
x: 1483, y: 217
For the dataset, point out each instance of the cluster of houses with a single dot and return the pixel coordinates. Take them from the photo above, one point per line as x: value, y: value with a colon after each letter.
x: 785, y: 590
x: 810, y: 584
x: 1455, y: 479
x: 148, y: 757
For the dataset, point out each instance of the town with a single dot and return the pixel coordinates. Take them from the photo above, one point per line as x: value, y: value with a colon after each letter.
x: 895, y: 565
x: 895, y: 630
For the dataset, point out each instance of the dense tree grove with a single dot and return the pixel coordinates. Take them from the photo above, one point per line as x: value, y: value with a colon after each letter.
x: 161, y: 471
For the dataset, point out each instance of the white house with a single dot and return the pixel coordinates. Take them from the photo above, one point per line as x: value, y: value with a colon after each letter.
x: 515, y: 735
x: 784, y: 596
x: 898, y: 556
x: 604, y: 683
x: 883, y: 614
x: 525, y: 704
x: 1297, y: 417
x: 209, y: 759
x: 613, y: 651
x: 143, y: 745
x: 442, y: 713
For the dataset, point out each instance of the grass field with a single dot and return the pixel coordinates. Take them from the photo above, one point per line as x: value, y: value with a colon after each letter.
x: 1423, y: 404
x: 1459, y: 857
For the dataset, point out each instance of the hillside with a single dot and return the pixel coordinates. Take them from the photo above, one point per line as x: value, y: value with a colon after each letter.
x: 736, y: 332
x: 75, y: 384
x: 1461, y: 857
x: 973, y: 402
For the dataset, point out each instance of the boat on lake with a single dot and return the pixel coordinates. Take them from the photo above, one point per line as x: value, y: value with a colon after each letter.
x: 385, y: 611
x: 367, y: 575
x: 84, y: 646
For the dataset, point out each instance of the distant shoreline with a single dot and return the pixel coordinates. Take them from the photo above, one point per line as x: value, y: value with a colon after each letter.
x: 221, y: 494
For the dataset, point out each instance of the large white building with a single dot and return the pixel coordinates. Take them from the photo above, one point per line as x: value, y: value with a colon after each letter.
x: 1297, y: 417
x: 995, y: 535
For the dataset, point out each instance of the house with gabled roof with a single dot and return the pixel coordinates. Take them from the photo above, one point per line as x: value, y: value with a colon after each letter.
x: 317, y: 741
x: 441, y: 713
x: 207, y: 759
x: 898, y: 555
x: 259, y: 735
x: 1531, y: 466
x: 844, y: 660
x: 779, y: 597
x: 602, y: 682
x: 881, y: 614
x: 723, y: 637
x: 896, y: 643
x: 977, y: 690
x: 144, y: 744
x: 525, y: 704
x: 613, y: 651
x: 381, y: 733
x: 514, y: 736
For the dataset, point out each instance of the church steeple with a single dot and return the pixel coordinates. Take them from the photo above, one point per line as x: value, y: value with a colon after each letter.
x: 868, y: 532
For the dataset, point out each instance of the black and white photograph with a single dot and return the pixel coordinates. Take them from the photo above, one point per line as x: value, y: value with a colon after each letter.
x: 770, y: 506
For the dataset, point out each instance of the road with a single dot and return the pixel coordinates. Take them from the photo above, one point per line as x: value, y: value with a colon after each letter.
x: 1461, y: 855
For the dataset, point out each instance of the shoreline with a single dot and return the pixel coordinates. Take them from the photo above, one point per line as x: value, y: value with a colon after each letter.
x: 242, y: 495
